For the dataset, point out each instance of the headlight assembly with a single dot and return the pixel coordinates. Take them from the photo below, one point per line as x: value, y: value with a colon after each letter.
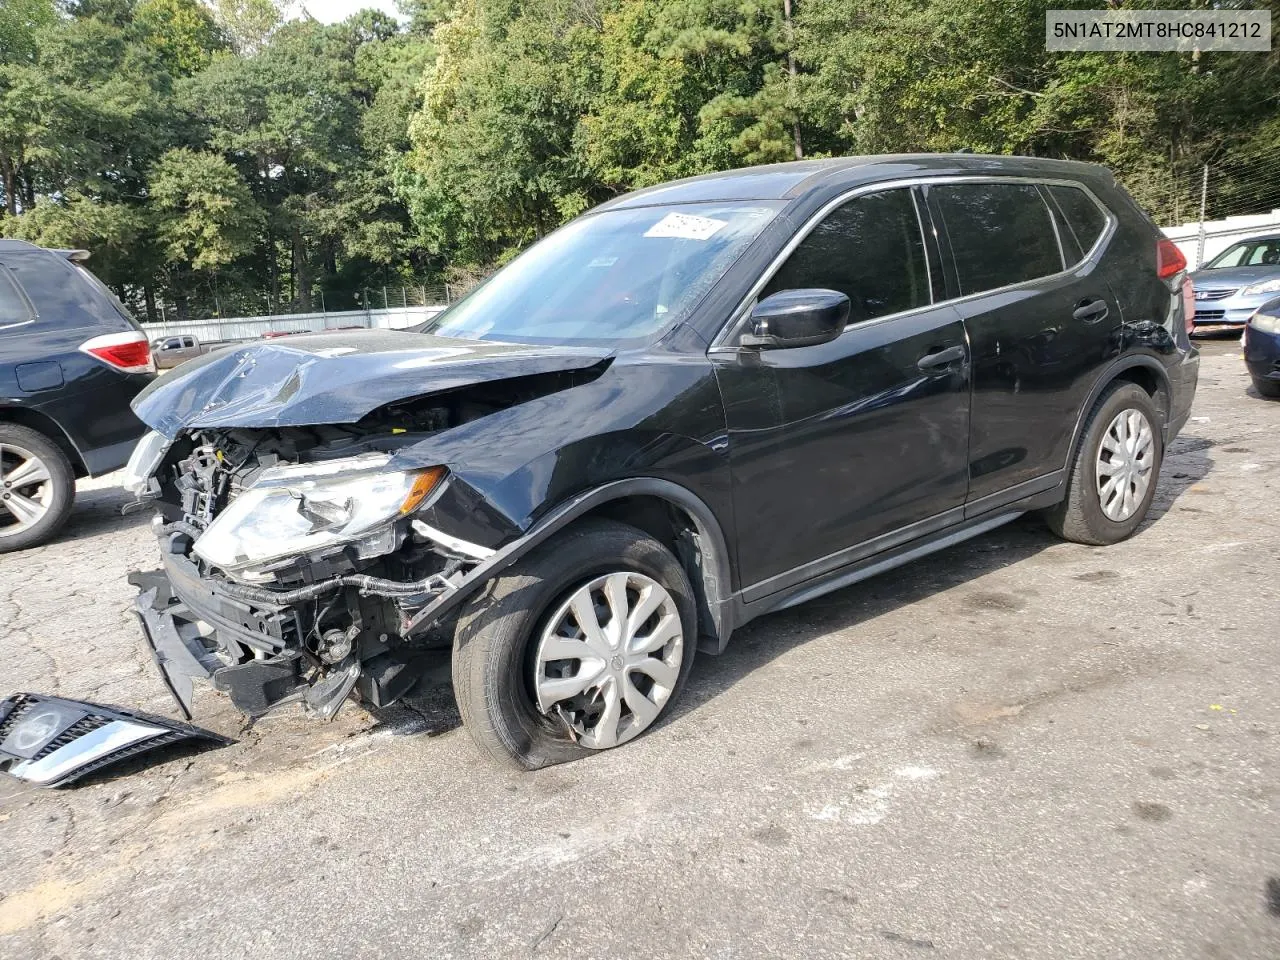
x: 1266, y: 322
x: 311, y: 508
x: 1266, y: 286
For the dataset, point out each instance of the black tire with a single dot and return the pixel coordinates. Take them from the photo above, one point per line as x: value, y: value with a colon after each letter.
x: 1079, y: 516
x: 62, y: 486
x: 493, y: 653
x: 1267, y: 388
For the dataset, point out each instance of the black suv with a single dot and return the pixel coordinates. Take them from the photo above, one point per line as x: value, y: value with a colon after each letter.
x: 71, y: 361
x: 696, y: 404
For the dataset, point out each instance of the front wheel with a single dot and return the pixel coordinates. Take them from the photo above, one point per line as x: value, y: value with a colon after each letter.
x: 1113, y: 479
x: 581, y: 646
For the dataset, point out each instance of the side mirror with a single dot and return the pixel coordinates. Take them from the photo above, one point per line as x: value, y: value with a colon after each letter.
x: 797, y: 318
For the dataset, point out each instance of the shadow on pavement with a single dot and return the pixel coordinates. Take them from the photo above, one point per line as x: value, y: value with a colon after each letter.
x: 771, y: 636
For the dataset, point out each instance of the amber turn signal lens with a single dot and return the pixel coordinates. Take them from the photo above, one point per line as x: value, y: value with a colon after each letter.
x: 427, y: 481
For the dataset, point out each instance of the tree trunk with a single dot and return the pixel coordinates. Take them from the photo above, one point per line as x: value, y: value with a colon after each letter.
x: 302, y: 270
x: 791, y: 69
x: 273, y: 275
x: 149, y: 297
x: 10, y: 186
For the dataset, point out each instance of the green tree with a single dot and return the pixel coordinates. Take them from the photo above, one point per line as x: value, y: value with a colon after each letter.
x: 203, y: 212
x: 182, y: 33
x: 249, y: 23
x: 494, y: 163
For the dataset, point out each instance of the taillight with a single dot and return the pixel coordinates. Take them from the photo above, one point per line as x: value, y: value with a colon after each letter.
x: 1169, y: 259
x: 128, y: 352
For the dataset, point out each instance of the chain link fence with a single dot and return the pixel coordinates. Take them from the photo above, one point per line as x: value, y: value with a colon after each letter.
x: 1204, y: 208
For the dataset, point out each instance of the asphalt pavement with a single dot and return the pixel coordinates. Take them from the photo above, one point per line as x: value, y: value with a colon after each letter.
x: 1016, y: 748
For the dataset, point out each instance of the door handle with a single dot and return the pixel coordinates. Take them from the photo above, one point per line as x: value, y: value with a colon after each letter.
x: 931, y: 361
x: 1091, y: 311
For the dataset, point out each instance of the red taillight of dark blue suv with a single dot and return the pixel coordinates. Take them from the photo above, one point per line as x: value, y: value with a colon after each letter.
x: 128, y: 351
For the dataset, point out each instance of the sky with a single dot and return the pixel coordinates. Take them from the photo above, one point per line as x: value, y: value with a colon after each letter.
x: 332, y: 11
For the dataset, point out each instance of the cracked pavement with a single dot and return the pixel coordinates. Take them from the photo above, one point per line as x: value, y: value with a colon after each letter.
x: 1014, y: 748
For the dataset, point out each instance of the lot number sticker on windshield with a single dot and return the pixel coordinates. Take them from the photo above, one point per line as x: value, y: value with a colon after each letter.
x: 684, y: 226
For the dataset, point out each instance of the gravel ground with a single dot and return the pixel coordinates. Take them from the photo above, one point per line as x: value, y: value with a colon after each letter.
x: 1015, y: 748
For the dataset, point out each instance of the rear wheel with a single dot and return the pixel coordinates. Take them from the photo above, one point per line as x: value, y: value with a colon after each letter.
x: 1267, y: 388
x: 581, y: 646
x: 37, y: 487
x: 1113, y: 479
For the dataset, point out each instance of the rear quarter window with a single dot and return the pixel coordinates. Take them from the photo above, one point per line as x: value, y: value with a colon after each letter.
x: 65, y: 295
x: 14, y: 308
x: 1000, y: 233
x: 1084, y: 217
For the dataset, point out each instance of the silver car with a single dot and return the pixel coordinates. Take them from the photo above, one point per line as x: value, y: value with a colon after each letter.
x: 1231, y: 286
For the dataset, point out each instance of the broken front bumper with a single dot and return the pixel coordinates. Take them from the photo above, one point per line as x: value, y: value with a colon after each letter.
x: 253, y: 650
x: 197, y: 633
x: 199, y: 628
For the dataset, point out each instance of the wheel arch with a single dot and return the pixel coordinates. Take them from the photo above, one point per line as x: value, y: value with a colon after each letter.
x: 1141, y: 370
x: 680, y: 521
x: 45, y: 425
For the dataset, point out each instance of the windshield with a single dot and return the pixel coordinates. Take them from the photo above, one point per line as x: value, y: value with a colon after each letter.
x: 1248, y: 253
x: 609, y: 277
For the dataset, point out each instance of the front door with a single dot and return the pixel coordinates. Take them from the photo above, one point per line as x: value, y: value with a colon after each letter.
x: 837, y: 444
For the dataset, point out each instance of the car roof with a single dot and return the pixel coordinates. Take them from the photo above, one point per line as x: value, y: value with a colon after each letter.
x: 22, y: 246
x: 787, y: 181
x: 17, y: 245
x: 1261, y: 237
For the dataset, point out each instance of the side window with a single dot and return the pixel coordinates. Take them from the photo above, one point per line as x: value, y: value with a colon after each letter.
x: 1266, y: 253
x: 187, y: 343
x: 1000, y: 233
x: 871, y: 250
x: 173, y: 343
x: 1083, y: 216
x: 14, y: 308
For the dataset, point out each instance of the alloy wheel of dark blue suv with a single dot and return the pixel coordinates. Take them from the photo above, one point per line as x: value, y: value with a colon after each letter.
x: 71, y: 361
x: 696, y: 404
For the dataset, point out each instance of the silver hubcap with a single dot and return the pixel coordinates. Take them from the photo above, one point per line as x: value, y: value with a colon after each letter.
x: 1125, y: 459
x: 26, y: 489
x: 610, y: 657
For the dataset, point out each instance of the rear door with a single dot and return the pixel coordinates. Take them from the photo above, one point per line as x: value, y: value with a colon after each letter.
x: 1041, y: 321
x: 837, y: 444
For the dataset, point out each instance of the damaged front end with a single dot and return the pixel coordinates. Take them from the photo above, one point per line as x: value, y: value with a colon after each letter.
x: 302, y: 561
x: 292, y: 568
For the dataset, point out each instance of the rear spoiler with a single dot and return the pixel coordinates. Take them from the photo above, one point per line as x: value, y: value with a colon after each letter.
x: 75, y: 256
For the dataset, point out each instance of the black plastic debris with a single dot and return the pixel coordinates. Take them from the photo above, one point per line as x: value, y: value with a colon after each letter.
x: 51, y: 742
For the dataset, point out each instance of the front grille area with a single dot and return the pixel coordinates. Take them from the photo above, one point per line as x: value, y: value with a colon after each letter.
x: 1213, y: 294
x: 1210, y: 314
x: 78, y: 729
x: 20, y: 706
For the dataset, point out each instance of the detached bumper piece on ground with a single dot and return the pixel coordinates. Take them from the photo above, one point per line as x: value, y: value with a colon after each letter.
x: 52, y: 742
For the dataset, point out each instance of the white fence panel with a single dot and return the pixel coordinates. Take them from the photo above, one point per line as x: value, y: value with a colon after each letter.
x: 1220, y: 234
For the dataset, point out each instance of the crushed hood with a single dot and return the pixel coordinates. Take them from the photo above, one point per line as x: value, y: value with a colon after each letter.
x: 335, y: 377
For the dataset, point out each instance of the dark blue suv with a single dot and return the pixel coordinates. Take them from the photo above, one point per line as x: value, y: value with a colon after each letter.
x: 71, y: 360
